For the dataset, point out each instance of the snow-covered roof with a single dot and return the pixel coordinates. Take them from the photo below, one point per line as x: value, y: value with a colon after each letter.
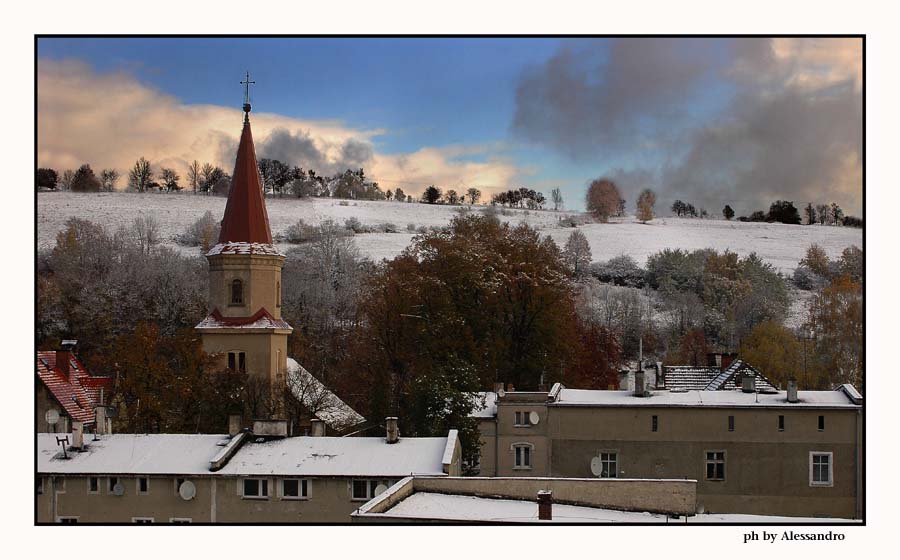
x: 339, y: 456
x: 808, y: 399
x: 711, y: 378
x: 262, y: 319
x: 79, y: 392
x: 320, y: 401
x: 453, y: 507
x: 244, y: 248
x: 489, y: 410
x: 187, y: 454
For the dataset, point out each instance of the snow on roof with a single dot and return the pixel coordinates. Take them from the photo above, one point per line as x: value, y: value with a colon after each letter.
x: 187, y: 454
x: 319, y: 400
x: 244, y: 248
x: 339, y: 456
x: 489, y: 410
x: 78, y: 393
x: 450, y: 447
x: 262, y: 319
x: 808, y: 399
x: 451, y: 507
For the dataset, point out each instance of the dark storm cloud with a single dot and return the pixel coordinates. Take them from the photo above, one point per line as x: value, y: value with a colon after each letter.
x: 301, y: 150
x: 790, y: 128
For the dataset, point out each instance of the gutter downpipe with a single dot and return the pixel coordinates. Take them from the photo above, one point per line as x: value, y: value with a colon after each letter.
x: 859, y: 459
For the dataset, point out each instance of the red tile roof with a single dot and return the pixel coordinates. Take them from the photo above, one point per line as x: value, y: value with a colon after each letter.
x: 77, y: 394
x: 245, y: 218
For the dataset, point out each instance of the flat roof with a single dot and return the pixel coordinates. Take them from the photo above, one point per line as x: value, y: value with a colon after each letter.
x: 725, y: 399
x: 455, y: 507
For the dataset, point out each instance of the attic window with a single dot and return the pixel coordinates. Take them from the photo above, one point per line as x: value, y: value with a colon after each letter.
x: 237, y: 292
x: 256, y: 488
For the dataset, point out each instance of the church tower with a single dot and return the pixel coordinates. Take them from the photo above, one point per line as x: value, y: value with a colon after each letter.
x: 244, y: 325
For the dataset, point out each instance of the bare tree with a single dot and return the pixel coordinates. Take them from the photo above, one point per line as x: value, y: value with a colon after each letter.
x: 108, y: 179
x: 170, y: 179
x: 473, y: 194
x: 603, y: 199
x: 140, y: 176
x: 557, y: 198
x: 577, y: 253
x: 145, y: 230
x: 194, y: 175
x: 645, y: 203
x: 65, y: 182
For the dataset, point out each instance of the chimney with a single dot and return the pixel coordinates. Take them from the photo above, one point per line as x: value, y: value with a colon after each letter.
x: 727, y: 360
x: 639, y: 388
x: 63, y: 355
x: 393, y: 431
x: 748, y: 383
x: 318, y: 427
x: 100, y: 424
x: 498, y: 387
x: 77, y: 434
x: 234, y: 424
x: 545, y: 505
x: 792, y: 391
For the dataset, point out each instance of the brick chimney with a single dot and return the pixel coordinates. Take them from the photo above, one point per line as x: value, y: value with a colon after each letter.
x: 63, y: 355
x: 318, y: 427
x: 545, y: 505
x: 792, y: 391
x: 392, y: 429
x: 77, y: 434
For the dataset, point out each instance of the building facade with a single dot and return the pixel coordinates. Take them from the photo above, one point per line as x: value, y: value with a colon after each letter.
x: 774, y: 453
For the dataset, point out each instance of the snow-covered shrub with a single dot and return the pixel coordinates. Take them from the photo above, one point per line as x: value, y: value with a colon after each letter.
x: 411, y: 227
x: 353, y: 224
x: 343, y: 203
x: 621, y: 271
x: 389, y: 228
x: 805, y: 279
x: 203, y: 232
x: 300, y: 232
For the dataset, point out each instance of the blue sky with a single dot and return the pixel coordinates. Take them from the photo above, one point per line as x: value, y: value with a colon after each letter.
x: 585, y: 107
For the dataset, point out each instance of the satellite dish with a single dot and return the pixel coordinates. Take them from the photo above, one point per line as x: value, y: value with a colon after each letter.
x: 596, y: 466
x: 534, y: 417
x: 187, y: 490
x: 380, y: 489
x: 118, y: 489
x: 52, y: 416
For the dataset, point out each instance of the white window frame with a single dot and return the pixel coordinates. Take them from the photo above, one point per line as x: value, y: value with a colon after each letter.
x: 137, y: 486
x: 262, y: 484
x: 527, y: 465
x: 715, y: 461
x: 830, y: 456
x: 143, y: 520
x: 302, y: 484
x: 89, y: 491
x: 371, y: 484
x: 614, y: 461
x: 67, y: 518
x: 522, y: 419
x: 59, y: 485
x: 181, y: 520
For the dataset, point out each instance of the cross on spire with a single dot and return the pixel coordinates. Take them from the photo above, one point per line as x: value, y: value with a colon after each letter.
x: 246, y: 83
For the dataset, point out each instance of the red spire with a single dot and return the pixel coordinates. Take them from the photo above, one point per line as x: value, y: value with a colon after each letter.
x: 246, y: 219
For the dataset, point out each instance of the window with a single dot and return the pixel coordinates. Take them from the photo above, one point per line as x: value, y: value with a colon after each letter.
x: 523, y: 418
x: 93, y: 485
x: 655, y: 424
x: 256, y: 488
x: 142, y: 520
x: 522, y: 455
x: 237, y: 361
x: 715, y: 465
x: 364, y: 489
x: 180, y: 520
x: 237, y: 292
x: 821, y: 423
x: 731, y: 423
x: 609, y: 463
x: 59, y: 485
x: 111, y: 483
x: 781, y: 423
x: 295, y: 489
x: 143, y: 485
x: 67, y: 520
x: 39, y: 486
x: 821, y: 469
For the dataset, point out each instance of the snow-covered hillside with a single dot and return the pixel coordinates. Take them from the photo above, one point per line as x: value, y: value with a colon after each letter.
x: 779, y: 244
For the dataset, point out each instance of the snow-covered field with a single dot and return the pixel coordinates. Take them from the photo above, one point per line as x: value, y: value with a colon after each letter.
x: 781, y: 245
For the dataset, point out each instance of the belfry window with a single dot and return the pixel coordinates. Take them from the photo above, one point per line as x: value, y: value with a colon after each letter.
x: 237, y: 361
x: 237, y: 292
